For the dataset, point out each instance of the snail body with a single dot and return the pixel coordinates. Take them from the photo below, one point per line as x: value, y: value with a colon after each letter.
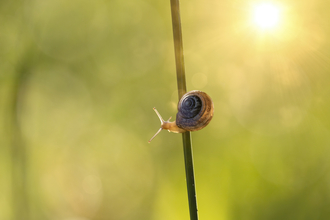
x: 195, y: 111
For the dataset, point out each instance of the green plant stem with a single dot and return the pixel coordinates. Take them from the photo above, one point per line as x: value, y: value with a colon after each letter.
x: 181, y: 80
x: 178, y: 48
x: 19, y: 152
x: 189, y: 164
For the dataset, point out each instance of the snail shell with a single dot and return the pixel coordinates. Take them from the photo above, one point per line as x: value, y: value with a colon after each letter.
x: 195, y: 111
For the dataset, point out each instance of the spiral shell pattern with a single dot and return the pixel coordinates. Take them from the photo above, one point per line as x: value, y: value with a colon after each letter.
x: 195, y: 111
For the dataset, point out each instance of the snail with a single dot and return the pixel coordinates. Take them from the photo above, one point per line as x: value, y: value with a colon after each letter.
x: 195, y: 111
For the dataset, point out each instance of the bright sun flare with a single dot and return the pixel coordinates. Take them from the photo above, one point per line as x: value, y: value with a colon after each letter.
x: 266, y: 15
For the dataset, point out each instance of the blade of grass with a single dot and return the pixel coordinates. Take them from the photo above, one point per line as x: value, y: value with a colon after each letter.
x: 181, y: 80
x: 19, y: 150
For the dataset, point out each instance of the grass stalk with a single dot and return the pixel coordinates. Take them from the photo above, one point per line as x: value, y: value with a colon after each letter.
x: 181, y: 81
x: 19, y: 152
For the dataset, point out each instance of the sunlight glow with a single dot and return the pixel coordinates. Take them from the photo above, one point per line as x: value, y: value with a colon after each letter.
x: 266, y: 15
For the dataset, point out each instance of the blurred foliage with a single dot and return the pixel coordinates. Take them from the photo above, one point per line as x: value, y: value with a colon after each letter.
x: 78, y: 80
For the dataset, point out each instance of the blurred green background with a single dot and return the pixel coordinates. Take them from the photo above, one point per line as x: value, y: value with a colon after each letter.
x: 79, y: 78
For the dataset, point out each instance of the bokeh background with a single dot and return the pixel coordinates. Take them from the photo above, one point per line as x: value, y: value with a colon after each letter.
x: 79, y: 78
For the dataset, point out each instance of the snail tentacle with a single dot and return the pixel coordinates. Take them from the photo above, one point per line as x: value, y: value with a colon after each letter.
x: 160, y: 129
x: 167, y: 125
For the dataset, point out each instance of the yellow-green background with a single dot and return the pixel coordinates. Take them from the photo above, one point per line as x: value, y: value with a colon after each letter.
x: 79, y: 78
